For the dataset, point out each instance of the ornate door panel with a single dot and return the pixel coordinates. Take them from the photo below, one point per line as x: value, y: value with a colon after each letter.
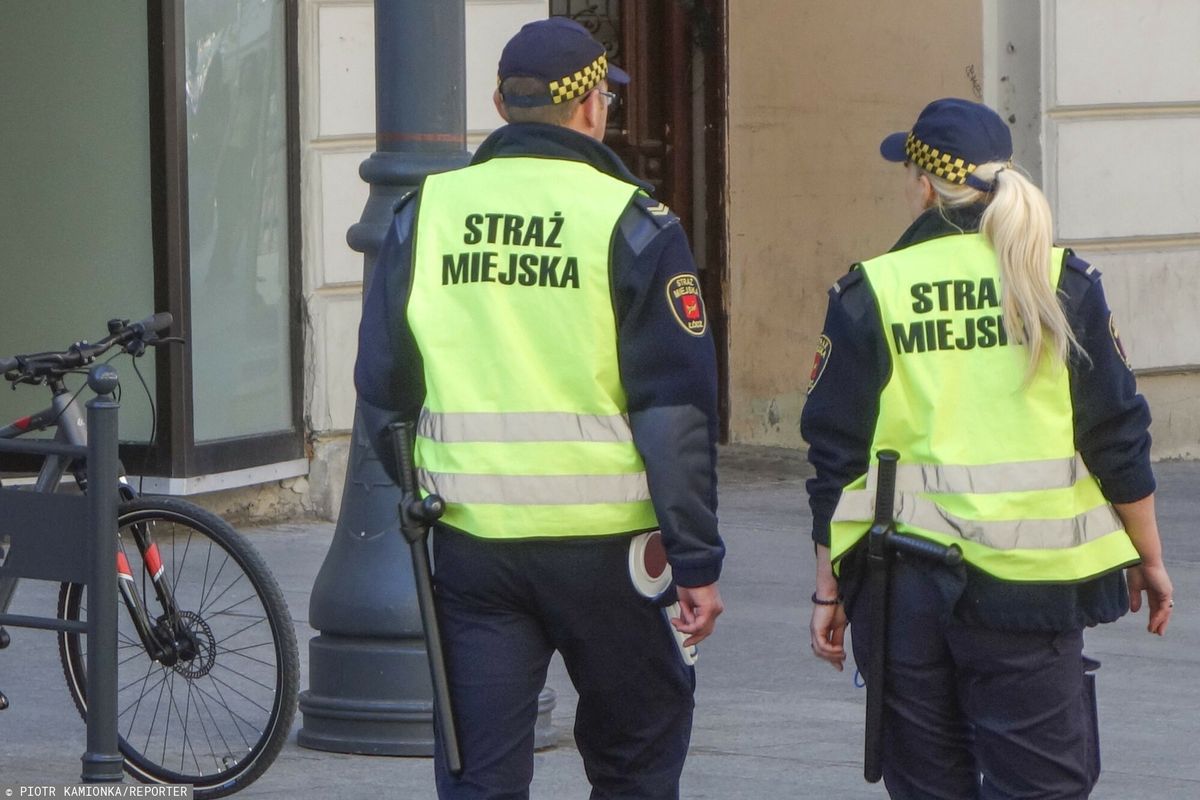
x: 650, y: 130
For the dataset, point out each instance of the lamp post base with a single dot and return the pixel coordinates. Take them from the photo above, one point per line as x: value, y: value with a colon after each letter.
x: 353, y: 707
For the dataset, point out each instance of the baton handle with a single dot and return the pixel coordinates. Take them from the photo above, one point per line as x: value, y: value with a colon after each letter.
x: 416, y: 515
x: 948, y: 554
x: 885, y: 487
x: 402, y: 433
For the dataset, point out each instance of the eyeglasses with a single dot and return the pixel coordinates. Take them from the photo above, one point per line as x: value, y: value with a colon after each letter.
x: 614, y: 101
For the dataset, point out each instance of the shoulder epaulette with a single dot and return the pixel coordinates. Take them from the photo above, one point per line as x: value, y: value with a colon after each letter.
x: 655, y: 210
x: 402, y: 201
x: 1074, y: 262
x: 851, y: 278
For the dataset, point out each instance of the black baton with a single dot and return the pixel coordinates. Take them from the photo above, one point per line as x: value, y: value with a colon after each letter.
x: 882, y: 539
x: 878, y: 566
x: 416, y: 515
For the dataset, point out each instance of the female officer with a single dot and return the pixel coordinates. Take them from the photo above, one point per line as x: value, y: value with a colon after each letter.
x: 989, y: 360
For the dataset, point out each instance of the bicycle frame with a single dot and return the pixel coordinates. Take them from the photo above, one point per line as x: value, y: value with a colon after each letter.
x: 70, y: 427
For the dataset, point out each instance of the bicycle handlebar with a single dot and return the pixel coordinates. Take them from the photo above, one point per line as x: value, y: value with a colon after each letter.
x: 80, y: 354
x: 153, y: 323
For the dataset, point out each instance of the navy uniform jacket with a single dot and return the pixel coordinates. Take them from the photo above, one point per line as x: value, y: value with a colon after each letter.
x: 1111, y: 422
x: 669, y: 374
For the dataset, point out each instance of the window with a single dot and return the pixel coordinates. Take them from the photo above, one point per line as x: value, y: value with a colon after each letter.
x: 236, y: 103
x: 157, y: 169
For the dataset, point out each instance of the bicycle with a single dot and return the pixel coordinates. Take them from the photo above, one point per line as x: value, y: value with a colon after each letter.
x: 208, y: 669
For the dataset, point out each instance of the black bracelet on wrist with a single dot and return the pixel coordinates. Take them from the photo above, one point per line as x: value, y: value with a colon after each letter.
x: 818, y: 601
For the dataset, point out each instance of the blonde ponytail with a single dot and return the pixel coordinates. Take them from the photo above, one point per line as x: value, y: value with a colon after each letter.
x: 1017, y: 223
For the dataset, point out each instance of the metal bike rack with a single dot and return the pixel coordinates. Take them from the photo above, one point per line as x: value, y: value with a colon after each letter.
x: 43, y: 533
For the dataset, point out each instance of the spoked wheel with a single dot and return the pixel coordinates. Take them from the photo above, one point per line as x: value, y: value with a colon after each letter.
x: 218, y: 715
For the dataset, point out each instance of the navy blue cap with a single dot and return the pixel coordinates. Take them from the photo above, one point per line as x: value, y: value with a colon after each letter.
x: 950, y: 139
x: 563, y: 54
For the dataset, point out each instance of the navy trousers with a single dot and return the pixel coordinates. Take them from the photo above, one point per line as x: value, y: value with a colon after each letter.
x: 971, y: 712
x: 504, y: 607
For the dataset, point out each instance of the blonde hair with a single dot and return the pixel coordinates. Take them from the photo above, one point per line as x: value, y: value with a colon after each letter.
x: 1017, y: 222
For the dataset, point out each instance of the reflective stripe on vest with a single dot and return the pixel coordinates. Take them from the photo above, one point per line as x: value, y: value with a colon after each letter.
x: 525, y: 430
x: 986, y: 461
x: 1021, y: 534
x: 523, y: 427
x: 1021, y: 476
x: 549, y: 490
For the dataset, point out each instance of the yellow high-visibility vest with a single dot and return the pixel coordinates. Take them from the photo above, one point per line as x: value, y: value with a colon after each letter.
x: 986, y: 462
x: 525, y: 431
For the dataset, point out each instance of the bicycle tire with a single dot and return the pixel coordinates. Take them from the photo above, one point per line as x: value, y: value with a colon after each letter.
x: 235, y: 748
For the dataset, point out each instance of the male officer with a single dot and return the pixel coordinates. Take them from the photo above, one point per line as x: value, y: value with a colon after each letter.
x: 539, y: 315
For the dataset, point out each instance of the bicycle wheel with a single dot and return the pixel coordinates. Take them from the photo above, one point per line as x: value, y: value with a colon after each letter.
x: 217, y: 718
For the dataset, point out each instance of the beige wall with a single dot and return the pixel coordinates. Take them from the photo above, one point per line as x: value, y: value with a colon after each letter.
x: 813, y: 87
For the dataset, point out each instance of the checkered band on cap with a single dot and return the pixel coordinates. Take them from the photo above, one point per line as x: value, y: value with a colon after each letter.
x: 930, y: 159
x: 579, y: 83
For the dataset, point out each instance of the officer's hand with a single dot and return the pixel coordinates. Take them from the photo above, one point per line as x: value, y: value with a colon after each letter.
x: 699, y: 607
x: 1154, y: 581
x: 828, y: 625
x: 828, y: 631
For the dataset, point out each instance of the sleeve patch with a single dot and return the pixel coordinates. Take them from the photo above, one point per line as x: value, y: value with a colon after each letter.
x: 687, y: 306
x: 1116, y: 337
x: 820, y: 361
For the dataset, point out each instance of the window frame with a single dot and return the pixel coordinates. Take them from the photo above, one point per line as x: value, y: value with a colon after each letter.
x: 175, y: 453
